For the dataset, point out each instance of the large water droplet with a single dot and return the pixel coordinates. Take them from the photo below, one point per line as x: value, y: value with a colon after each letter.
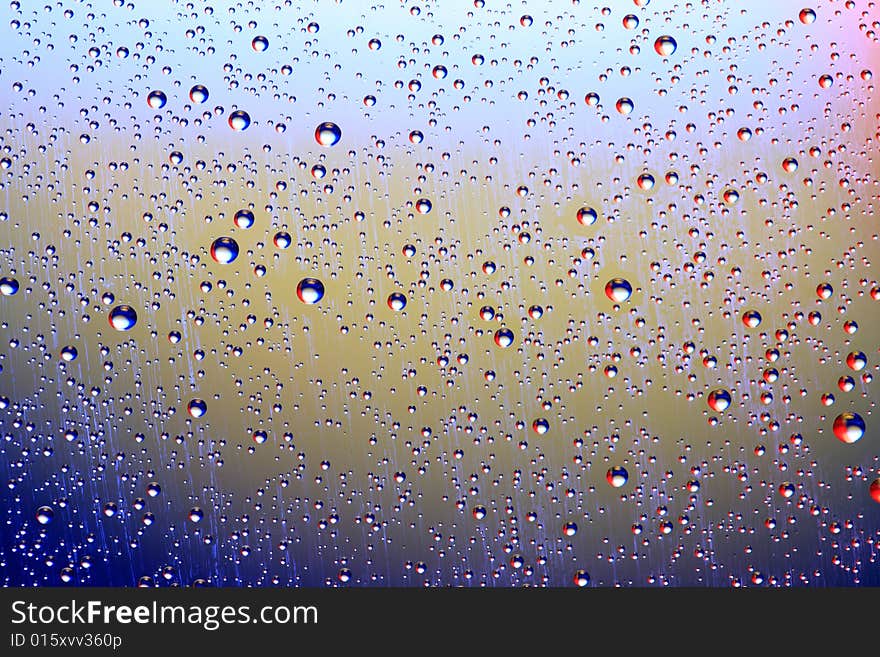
x: 874, y: 489
x: 69, y: 353
x: 504, y: 337
x: 224, y: 250
x: 328, y: 134
x: 8, y: 286
x: 396, y: 301
x: 719, y: 400
x: 198, y: 93
x: 751, y: 319
x: 849, y: 427
x: 624, y: 105
x: 617, y: 476
x: 197, y: 407
x: 310, y: 290
x: 244, y: 219
x: 44, y: 515
x: 665, y: 45
x: 157, y: 99
x: 618, y: 290
x: 807, y: 16
x: 239, y: 120
x: 586, y: 216
x: 123, y: 318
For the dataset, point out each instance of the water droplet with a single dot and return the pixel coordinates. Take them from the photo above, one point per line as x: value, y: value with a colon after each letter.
x: 244, y: 219
x: 310, y: 290
x: 807, y: 16
x: 44, y: 515
x: 617, y: 476
x: 849, y: 427
x: 69, y: 353
x: 260, y: 44
x: 875, y: 490
x: 618, y: 290
x: 719, y: 400
x: 587, y: 216
x: 423, y: 206
x: 157, y: 99
x: 856, y: 360
x: 665, y: 45
x: 541, y: 426
x: 239, y: 120
x: 328, y: 134
x: 123, y: 318
x: 396, y: 301
x: 581, y: 578
x: 624, y: 105
x: 787, y: 490
x: 197, y: 408
x: 646, y: 182
x: 8, y: 286
x: 198, y: 93
x: 504, y: 337
x: 751, y: 318
x: 224, y: 250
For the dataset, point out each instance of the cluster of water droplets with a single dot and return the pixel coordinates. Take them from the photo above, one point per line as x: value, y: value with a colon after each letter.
x: 545, y: 295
